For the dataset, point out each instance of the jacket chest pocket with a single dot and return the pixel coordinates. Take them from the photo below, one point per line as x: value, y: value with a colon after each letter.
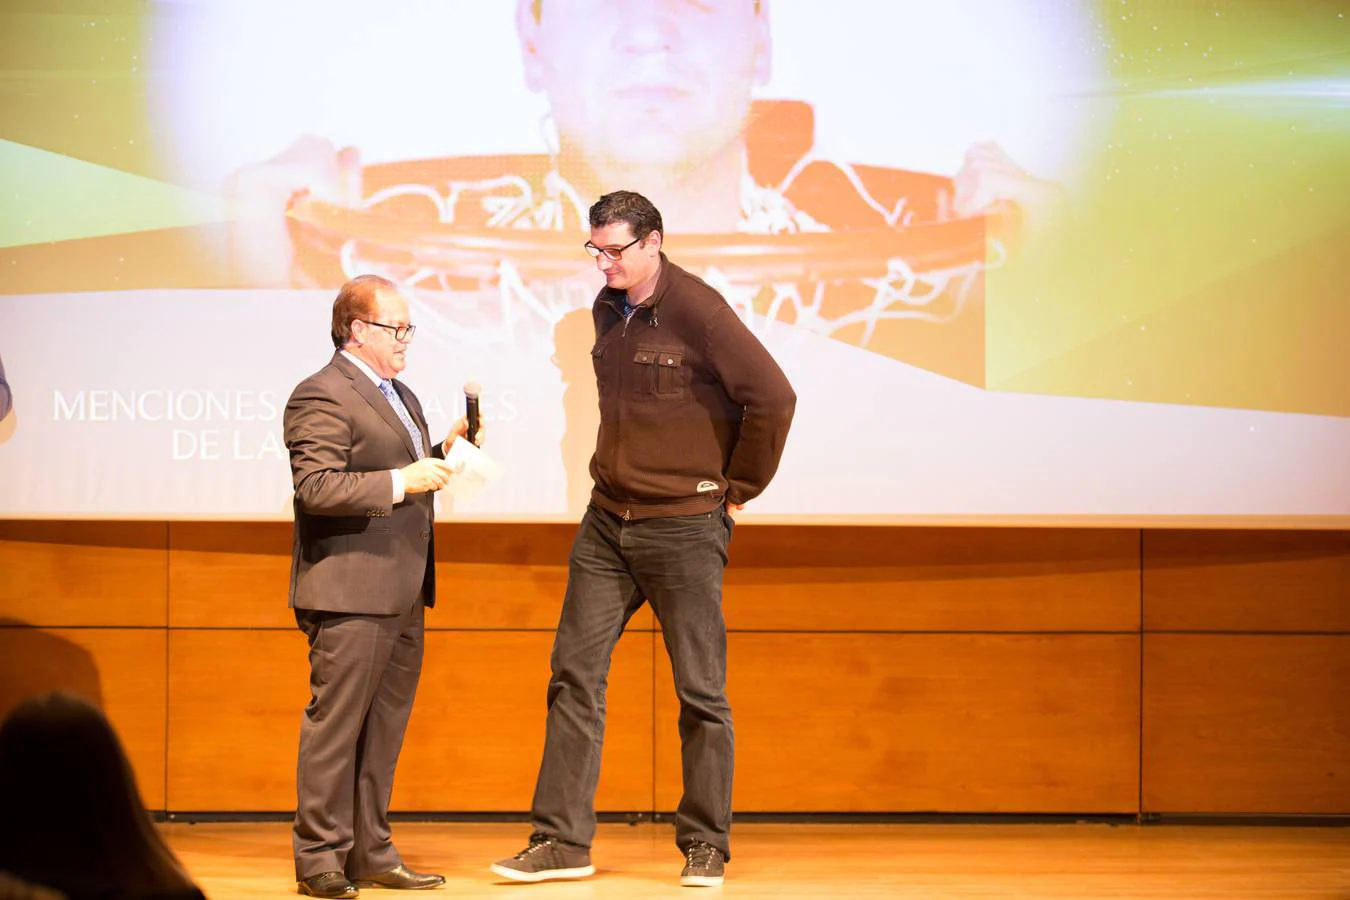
x: 659, y: 373
x: 597, y: 363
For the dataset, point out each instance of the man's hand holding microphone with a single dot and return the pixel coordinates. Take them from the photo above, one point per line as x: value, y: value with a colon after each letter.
x: 433, y: 474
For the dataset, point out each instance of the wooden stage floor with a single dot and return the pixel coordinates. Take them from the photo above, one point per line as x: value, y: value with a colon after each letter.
x: 796, y: 861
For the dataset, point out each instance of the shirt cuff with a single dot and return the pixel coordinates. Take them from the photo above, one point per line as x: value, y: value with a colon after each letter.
x: 397, y: 477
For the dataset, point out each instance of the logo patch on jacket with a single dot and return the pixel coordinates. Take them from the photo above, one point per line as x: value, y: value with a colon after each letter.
x: 705, y: 486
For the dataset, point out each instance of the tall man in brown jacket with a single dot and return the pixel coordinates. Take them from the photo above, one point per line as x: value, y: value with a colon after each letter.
x: 694, y: 413
x: 362, y: 570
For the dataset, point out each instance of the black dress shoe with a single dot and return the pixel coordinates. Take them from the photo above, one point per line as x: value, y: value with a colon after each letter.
x: 333, y: 885
x: 402, y: 878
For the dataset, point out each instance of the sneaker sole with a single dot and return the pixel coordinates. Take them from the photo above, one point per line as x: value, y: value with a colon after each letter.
x: 546, y: 875
x: 700, y: 880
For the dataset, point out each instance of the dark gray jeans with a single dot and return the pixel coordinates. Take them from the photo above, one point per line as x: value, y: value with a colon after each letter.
x: 676, y: 564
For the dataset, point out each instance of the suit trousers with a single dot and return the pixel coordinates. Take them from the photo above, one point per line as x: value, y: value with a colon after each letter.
x: 676, y: 564
x: 363, y: 677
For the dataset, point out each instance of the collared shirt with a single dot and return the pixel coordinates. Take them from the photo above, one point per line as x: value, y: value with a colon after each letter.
x: 375, y: 379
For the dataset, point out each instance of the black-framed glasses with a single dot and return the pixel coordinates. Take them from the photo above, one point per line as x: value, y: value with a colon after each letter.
x: 401, y: 332
x: 613, y: 253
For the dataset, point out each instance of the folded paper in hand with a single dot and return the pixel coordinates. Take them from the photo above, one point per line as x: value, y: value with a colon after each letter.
x: 475, y: 471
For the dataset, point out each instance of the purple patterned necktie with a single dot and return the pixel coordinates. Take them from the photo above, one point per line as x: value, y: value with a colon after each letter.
x: 387, y: 388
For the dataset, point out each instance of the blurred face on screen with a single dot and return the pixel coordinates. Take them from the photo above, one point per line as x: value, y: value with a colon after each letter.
x: 646, y: 83
x: 376, y: 345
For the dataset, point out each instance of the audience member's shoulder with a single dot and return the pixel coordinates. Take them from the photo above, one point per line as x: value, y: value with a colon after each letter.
x: 187, y: 893
x: 13, y: 888
x: 77, y: 888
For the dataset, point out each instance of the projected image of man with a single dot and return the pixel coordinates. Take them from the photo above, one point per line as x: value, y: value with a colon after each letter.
x: 658, y: 96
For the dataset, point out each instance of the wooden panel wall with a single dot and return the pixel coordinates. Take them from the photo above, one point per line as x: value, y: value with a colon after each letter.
x: 82, y: 607
x: 978, y: 670
x: 1246, y: 672
x: 871, y: 669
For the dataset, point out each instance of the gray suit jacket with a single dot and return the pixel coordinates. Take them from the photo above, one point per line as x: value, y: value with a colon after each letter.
x: 353, y: 551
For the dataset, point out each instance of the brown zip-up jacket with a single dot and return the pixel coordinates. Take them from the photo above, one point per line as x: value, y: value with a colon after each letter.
x: 694, y: 412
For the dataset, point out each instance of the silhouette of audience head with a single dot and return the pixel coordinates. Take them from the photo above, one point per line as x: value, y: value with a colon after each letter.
x: 71, y: 816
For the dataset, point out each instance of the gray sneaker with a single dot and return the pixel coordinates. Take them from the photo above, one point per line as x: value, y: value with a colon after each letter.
x: 546, y: 858
x: 704, y: 865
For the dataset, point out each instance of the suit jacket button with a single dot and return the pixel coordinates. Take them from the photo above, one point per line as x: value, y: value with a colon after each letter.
x: 426, y: 535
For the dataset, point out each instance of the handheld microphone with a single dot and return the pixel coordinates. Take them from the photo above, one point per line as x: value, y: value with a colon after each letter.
x: 471, y: 392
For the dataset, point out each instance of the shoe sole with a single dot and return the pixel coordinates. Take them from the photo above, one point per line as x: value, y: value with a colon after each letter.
x: 307, y: 893
x: 389, y: 887
x: 546, y: 875
x: 701, y: 881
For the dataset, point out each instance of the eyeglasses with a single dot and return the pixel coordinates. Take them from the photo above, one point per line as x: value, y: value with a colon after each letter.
x: 401, y: 332
x: 613, y: 253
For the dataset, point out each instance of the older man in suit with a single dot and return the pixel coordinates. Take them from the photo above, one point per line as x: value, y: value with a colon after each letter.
x: 362, y: 571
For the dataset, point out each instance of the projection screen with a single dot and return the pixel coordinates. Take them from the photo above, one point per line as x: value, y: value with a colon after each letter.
x: 1072, y: 261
